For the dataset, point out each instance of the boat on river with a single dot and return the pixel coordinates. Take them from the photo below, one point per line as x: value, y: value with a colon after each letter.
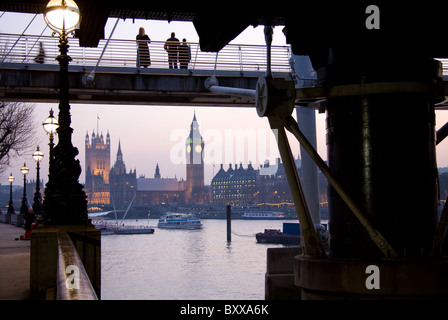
x: 179, y: 221
x: 263, y: 215
x: 110, y: 227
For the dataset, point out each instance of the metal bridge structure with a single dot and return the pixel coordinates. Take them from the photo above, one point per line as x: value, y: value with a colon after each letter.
x: 378, y: 80
x: 109, y: 73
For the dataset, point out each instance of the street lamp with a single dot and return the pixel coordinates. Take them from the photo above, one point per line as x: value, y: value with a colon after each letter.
x: 24, y: 206
x: 10, y: 204
x: 37, y: 200
x: 62, y: 16
x: 65, y: 200
x: 50, y: 125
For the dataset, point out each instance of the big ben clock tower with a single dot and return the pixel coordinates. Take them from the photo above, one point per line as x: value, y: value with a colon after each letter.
x: 194, y: 192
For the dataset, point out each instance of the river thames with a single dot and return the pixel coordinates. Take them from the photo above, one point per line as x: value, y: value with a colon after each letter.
x: 186, y: 264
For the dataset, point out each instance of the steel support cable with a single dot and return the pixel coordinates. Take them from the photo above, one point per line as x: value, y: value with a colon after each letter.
x: 20, y: 37
x: 292, y: 126
x: 91, y: 76
x: 34, y: 44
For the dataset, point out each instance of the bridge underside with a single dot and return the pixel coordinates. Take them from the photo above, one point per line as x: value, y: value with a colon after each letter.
x: 39, y: 83
x: 381, y: 147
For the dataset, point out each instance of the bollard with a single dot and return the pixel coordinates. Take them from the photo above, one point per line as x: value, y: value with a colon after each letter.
x: 229, y: 224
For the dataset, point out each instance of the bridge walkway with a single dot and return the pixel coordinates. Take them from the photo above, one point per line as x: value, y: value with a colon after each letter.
x: 118, y: 79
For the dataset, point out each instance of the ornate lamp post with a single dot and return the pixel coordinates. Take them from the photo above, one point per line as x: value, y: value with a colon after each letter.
x: 24, y: 206
x: 10, y: 204
x: 65, y: 200
x: 50, y: 125
x: 37, y: 200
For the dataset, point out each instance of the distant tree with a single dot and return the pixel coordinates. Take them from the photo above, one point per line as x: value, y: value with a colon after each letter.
x: 17, y: 131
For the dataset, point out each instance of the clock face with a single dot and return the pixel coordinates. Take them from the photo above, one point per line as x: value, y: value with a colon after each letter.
x: 188, y: 148
x: 198, y: 148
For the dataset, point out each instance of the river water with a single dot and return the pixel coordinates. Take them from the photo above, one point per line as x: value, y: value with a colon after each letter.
x: 186, y: 264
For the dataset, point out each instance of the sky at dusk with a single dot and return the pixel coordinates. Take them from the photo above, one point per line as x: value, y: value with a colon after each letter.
x: 152, y: 134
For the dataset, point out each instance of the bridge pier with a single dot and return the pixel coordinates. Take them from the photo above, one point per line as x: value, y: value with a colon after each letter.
x: 381, y: 148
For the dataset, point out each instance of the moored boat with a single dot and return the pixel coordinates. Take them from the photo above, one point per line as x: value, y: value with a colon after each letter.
x: 179, y: 221
x: 263, y: 215
x: 109, y: 227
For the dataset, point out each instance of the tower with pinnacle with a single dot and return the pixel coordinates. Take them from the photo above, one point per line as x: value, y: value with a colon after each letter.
x: 194, y: 192
x: 97, y: 168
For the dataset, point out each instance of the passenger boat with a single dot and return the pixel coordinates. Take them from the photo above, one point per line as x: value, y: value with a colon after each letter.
x: 179, y: 221
x: 263, y: 215
x: 109, y: 227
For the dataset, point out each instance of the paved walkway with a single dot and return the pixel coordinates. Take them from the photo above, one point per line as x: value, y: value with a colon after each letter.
x: 14, y: 264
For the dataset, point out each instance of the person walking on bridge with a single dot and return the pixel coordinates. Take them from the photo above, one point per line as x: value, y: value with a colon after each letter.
x: 172, y: 48
x: 143, y: 58
x: 184, y: 54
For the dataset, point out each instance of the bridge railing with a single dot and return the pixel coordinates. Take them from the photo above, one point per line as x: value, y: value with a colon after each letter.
x: 123, y: 53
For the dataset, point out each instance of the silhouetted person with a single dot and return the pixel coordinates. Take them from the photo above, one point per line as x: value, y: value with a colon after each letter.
x: 172, y: 47
x: 29, y: 220
x: 41, y: 55
x: 143, y: 58
x: 184, y: 54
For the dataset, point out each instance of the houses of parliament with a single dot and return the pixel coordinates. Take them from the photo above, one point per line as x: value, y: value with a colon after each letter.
x: 114, y: 185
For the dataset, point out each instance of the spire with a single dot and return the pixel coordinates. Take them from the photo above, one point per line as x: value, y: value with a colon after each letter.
x: 157, y: 173
x: 119, y: 153
x: 194, y: 129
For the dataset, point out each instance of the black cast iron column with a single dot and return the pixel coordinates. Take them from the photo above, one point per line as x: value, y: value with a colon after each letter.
x: 65, y: 200
x: 10, y: 203
x: 382, y: 148
x: 37, y: 199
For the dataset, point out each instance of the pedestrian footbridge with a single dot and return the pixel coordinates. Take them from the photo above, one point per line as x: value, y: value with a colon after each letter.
x: 108, y: 74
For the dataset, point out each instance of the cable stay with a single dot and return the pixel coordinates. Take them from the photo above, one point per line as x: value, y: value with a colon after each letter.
x: 88, y: 79
x: 34, y: 44
x: 130, y: 204
x: 19, y: 37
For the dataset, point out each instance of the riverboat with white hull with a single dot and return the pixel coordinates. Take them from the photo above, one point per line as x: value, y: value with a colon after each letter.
x: 179, y: 221
x: 263, y: 215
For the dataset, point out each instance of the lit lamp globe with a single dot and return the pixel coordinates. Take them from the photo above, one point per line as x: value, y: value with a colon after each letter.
x: 38, y: 155
x: 24, y: 169
x: 50, y: 124
x: 11, y: 178
x: 62, y: 16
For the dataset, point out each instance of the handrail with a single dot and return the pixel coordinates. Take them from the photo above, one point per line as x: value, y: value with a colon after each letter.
x: 72, y: 280
x: 123, y: 53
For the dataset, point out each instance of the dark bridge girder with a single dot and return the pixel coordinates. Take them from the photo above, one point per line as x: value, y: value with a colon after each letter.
x: 39, y: 83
